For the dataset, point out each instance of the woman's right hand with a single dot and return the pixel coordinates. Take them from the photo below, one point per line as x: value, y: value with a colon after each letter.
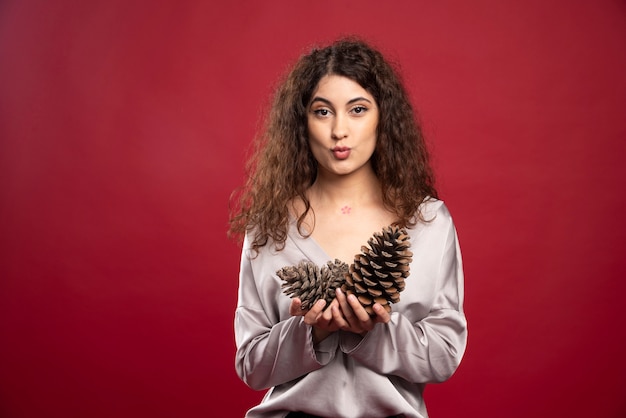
x: 321, y: 320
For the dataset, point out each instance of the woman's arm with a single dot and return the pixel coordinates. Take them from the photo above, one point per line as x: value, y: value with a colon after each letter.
x: 271, y: 351
x: 429, y: 349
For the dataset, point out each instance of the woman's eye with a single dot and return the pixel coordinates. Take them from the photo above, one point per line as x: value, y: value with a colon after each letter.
x: 321, y: 112
x: 359, y: 109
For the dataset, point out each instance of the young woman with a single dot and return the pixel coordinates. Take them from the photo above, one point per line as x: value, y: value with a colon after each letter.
x: 341, y: 158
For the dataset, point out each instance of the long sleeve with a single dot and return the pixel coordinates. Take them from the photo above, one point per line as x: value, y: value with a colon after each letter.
x: 381, y: 374
x: 272, y: 349
x: 417, y: 349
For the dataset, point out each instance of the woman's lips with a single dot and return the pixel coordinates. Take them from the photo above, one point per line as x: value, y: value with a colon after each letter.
x: 341, y: 153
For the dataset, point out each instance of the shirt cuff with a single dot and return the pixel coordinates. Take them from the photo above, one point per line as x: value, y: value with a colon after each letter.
x: 350, y: 341
x: 325, y: 350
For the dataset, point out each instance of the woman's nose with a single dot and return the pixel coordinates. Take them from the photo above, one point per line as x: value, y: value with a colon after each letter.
x: 340, y: 128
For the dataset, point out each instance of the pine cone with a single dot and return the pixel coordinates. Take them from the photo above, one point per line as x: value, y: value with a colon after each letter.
x: 310, y: 283
x: 378, y: 272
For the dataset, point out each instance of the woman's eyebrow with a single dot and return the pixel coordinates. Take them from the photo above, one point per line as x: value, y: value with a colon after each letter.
x: 326, y: 101
x: 321, y: 99
x: 358, y: 99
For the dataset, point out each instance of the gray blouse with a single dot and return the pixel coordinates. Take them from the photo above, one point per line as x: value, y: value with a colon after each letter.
x: 382, y: 374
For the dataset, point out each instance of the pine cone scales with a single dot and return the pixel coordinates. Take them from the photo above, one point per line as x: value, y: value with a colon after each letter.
x: 376, y: 276
x: 310, y: 283
x: 378, y: 272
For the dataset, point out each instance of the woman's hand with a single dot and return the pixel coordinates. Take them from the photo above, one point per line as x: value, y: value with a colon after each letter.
x: 321, y: 320
x: 351, y: 316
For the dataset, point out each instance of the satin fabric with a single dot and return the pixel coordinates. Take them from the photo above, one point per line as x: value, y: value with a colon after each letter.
x: 346, y: 375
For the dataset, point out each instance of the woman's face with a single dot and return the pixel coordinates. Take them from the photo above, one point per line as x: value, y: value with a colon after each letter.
x: 342, y: 120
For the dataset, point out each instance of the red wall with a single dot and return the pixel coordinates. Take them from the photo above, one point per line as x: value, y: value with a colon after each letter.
x: 123, y: 127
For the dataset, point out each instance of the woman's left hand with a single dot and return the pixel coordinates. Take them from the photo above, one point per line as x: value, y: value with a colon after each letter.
x: 351, y: 316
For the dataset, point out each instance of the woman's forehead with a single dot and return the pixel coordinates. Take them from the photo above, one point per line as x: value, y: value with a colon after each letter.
x: 339, y: 88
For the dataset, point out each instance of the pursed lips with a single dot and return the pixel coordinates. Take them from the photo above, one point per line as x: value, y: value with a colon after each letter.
x: 341, y: 153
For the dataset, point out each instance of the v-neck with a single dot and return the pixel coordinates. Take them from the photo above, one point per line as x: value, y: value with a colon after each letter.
x: 307, y: 245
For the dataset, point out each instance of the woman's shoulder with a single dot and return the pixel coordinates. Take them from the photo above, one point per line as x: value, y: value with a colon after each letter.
x: 431, y: 208
x: 433, y: 215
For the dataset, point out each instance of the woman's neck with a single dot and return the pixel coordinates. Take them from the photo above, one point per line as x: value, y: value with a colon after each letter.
x: 350, y: 190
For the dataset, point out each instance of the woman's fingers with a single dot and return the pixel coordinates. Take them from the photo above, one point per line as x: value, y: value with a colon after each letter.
x: 355, y: 316
x: 358, y: 309
x: 338, y: 317
x: 382, y: 315
x: 311, y: 317
x: 295, y: 309
x: 346, y: 311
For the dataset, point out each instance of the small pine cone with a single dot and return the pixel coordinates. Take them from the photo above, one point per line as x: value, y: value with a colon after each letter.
x: 338, y: 270
x: 310, y: 283
x: 378, y: 272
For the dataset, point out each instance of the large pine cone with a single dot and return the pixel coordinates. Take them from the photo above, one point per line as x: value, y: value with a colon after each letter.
x: 310, y: 283
x: 378, y: 272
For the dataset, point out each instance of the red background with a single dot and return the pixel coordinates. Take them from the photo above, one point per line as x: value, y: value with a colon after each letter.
x: 123, y: 128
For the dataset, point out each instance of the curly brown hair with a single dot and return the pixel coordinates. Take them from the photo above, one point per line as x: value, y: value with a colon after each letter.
x: 282, y: 166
